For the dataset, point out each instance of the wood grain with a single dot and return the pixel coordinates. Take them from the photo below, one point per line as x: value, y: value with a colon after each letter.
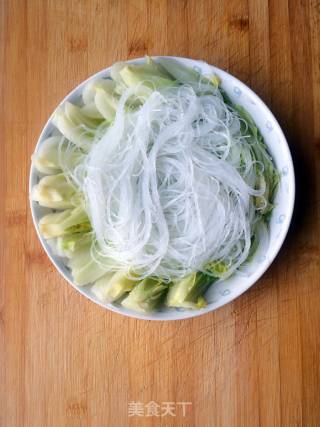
x: 65, y: 361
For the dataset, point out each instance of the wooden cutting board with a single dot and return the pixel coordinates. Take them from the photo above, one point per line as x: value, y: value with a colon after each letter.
x: 67, y: 362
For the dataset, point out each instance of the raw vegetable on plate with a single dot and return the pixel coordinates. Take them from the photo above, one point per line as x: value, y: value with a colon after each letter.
x: 158, y: 185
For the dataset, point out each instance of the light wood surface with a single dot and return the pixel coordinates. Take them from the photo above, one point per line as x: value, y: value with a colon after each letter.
x: 67, y: 362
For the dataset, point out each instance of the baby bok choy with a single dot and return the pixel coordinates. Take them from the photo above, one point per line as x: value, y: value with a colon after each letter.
x: 146, y: 296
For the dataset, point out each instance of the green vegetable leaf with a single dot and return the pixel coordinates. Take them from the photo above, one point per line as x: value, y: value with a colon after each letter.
x: 188, y: 292
x: 66, y: 222
x: 54, y: 191
x: 84, y: 268
x: 69, y: 244
x: 271, y: 177
x: 146, y: 295
x: 46, y: 159
x: 112, y: 286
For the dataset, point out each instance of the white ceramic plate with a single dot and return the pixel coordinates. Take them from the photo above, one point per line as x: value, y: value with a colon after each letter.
x: 226, y: 291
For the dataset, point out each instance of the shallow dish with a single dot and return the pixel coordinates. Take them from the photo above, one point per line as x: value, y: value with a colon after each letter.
x: 224, y: 292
